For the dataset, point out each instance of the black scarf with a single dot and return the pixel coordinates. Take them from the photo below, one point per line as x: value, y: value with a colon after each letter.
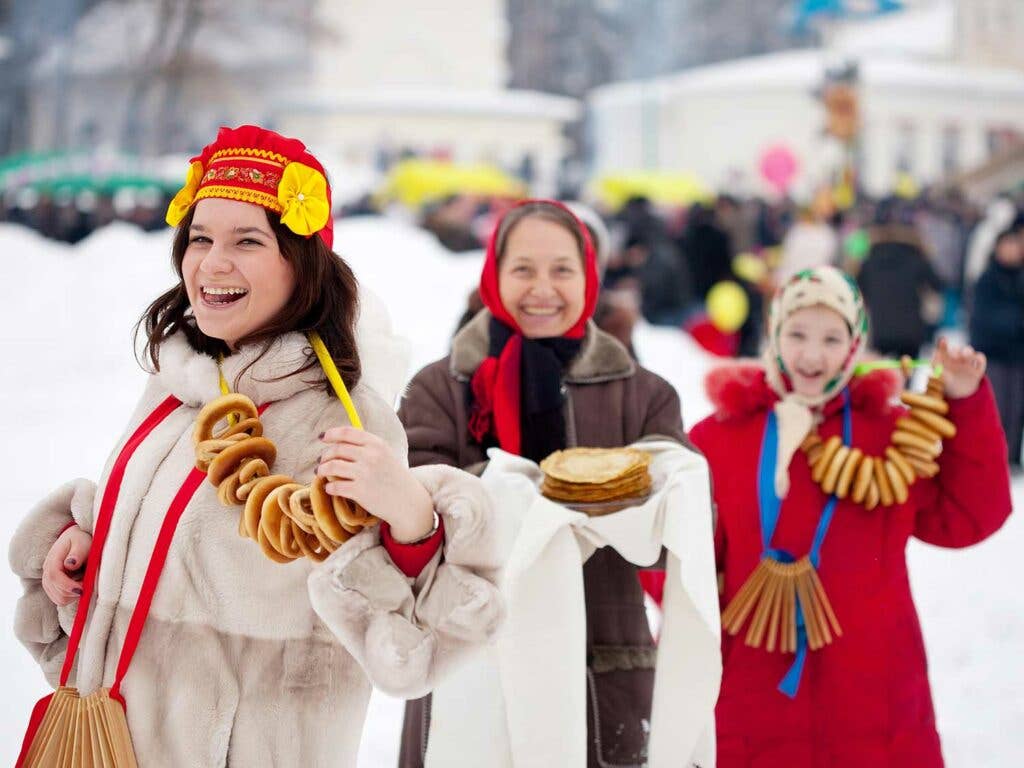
x: 542, y: 397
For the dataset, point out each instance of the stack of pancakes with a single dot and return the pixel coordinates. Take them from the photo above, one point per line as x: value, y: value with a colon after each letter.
x: 596, y: 475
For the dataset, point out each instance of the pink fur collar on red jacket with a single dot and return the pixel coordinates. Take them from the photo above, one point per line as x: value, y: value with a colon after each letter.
x: 741, y: 389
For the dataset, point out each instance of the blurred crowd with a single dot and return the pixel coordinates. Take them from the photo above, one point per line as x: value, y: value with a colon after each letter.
x: 68, y: 216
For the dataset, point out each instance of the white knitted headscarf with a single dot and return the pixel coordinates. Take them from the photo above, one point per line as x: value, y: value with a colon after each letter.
x: 797, y: 414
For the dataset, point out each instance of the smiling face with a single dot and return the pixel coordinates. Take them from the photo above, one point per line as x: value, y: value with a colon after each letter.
x: 541, y: 279
x: 814, y: 343
x: 235, y: 276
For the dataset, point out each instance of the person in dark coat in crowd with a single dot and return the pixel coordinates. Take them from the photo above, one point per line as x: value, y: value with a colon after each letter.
x: 648, y: 265
x: 707, y: 251
x: 997, y: 329
x: 893, y: 279
x: 664, y: 288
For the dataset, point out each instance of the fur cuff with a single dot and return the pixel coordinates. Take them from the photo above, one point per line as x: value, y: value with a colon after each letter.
x: 407, y: 633
x: 72, y: 502
x: 39, y: 625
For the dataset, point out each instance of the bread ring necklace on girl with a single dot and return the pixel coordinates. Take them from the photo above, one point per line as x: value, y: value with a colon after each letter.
x: 289, y: 520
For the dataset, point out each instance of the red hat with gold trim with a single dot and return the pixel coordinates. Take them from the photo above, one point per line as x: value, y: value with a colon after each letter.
x: 258, y: 166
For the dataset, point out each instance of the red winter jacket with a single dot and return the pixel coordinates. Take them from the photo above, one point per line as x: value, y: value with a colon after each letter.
x: 864, y: 700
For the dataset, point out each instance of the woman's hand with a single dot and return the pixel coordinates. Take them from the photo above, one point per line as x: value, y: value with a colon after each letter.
x: 66, y: 557
x: 962, y: 368
x: 363, y: 468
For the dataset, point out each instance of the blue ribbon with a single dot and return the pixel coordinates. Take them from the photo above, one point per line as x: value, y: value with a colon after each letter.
x: 770, y: 505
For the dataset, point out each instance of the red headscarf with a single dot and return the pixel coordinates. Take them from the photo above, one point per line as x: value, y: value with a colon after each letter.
x: 496, y: 383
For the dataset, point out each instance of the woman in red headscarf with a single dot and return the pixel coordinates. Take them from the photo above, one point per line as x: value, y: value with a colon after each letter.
x: 532, y: 374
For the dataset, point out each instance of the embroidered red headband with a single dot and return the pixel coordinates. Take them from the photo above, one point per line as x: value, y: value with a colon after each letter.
x: 254, y: 165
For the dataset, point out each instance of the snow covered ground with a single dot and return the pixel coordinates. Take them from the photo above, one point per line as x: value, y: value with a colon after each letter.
x: 69, y: 381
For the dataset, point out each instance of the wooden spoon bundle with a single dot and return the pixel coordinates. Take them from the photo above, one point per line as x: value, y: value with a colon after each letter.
x: 915, y: 445
x: 771, y: 597
x: 82, y: 732
x: 289, y: 520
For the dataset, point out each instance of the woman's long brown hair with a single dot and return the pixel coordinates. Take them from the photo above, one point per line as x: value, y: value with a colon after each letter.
x: 325, y: 300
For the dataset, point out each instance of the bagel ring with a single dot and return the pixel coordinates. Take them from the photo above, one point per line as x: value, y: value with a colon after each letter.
x: 896, y: 482
x: 864, y: 475
x: 219, y: 410
x: 828, y: 484
x: 901, y: 464
x: 927, y: 402
x: 832, y: 446
x: 882, y: 480
x: 849, y: 472
x: 232, y: 458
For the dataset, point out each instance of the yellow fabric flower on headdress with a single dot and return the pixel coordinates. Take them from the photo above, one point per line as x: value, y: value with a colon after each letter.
x: 303, y: 195
x: 186, y: 195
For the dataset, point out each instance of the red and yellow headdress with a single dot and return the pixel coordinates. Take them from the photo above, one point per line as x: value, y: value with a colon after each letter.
x: 258, y: 166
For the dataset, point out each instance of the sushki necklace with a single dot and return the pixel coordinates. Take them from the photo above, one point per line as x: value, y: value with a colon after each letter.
x: 288, y: 520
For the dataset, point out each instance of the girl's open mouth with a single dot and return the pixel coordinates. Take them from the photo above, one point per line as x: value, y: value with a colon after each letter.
x: 222, y: 297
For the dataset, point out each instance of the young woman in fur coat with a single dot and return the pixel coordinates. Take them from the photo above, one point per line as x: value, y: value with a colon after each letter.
x: 244, y: 661
x: 863, y: 699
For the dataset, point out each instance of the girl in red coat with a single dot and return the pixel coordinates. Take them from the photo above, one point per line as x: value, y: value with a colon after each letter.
x: 861, y: 697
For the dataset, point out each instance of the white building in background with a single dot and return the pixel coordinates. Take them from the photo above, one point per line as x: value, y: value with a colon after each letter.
x: 393, y: 74
x: 934, y: 99
x: 351, y: 78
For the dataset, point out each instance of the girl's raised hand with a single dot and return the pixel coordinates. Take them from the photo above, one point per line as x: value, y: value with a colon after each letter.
x: 962, y: 367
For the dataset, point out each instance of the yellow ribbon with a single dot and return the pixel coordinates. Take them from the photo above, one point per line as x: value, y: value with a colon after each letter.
x: 224, y: 388
x: 331, y: 371
x: 335, y: 378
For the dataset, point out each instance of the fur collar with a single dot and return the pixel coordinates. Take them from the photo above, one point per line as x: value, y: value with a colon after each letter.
x: 741, y: 389
x: 602, y: 357
x: 192, y: 376
x: 384, y: 358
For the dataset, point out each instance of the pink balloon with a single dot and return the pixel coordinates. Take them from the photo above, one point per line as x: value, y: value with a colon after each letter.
x: 779, y: 167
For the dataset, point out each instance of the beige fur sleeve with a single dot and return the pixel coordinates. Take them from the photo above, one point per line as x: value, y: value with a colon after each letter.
x: 407, y: 633
x: 41, y: 626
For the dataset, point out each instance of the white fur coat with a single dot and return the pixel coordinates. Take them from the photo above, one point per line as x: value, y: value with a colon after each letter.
x: 244, y: 662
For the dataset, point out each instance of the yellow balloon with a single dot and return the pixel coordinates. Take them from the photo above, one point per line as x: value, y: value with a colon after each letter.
x: 750, y: 267
x: 845, y: 196
x: 728, y: 306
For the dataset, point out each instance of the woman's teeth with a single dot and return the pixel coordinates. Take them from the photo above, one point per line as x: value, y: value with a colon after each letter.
x: 225, y: 290
x: 223, y: 295
x: 541, y: 311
